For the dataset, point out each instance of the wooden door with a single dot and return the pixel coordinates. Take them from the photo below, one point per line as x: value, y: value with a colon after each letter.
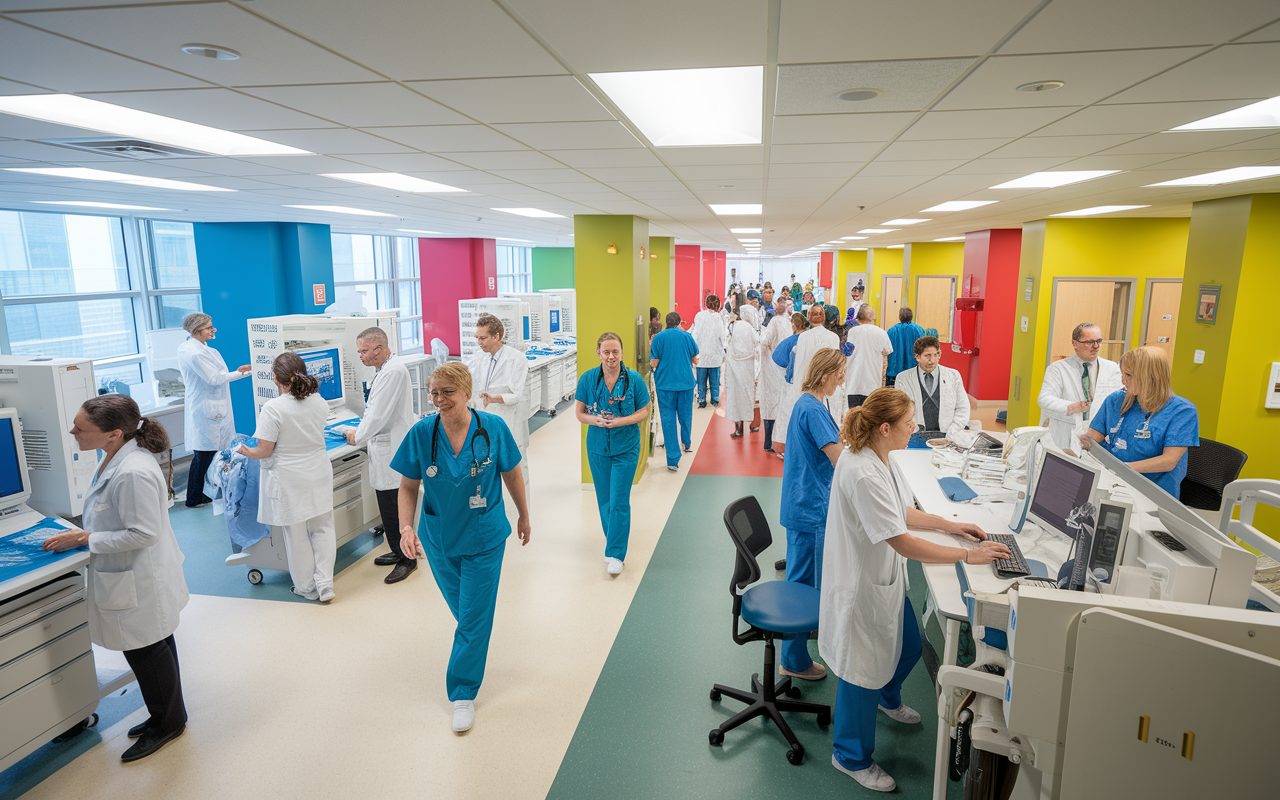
x: 935, y: 302
x: 890, y: 300
x: 1162, y: 314
x: 1076, y: 302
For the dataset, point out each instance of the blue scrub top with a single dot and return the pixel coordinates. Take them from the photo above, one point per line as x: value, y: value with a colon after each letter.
x: 903, y: 338
x: 806, y: 470
x: 1176, y: 424
x: 443, y: 522
x: 674, y: 348
x: 629, y: 396
x: 783, y: 357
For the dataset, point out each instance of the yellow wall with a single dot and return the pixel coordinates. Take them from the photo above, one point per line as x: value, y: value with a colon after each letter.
x: 847, y: 261
x: 662, y: 272
x: 1077, y: 248
x: 929, y: 259
x: 883, y: 261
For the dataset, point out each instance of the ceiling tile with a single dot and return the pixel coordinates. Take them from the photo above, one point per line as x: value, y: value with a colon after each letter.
x: 463, y: 179
x: 449, y: 138
x: 889, y: 168
x: 721, y: 172
x: 1184, y: 142
x: 557, y: 98
x: 834, y: 169
x: 819, y: 153
x: 507, y: 159
x: 303, y: 164
x: 1270, y: 33
x: 959, y: 148
x: 708, y: 156
x: 839, y: 128
x: 626, y: 174
x: 226, y: 166
x: 1102, y: 161
x: 1063, y: 146
x: 271, y: 55
x: 1245, y: 71
x: 584, y: 159
x: 1009, y: 166
x: 987, y: 124
x: 408, y: 162
x: 906, y: 85
x: 334, y: 141
x: 552, y: 135
x: 1079, y: 25
x: 361, y: 105
x: 1212, y: 161
x: 13, y: 87
x: 536, y: 176
x: 1135, y: 117
x: 220, y: 108
x: 1261, y: 143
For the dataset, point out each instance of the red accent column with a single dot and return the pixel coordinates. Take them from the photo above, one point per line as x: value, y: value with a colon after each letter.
x: 453, y: 270
x: 991, y: 260
x: 826, y: 270
x: 688, y: 282
x: 721, y: 281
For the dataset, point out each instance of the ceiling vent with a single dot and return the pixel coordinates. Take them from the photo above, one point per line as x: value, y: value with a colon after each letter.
x: 128, y: 148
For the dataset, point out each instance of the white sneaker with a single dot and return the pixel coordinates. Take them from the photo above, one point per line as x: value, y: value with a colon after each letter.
x: 903, y: 713
x: 326, y: 594
x: 464, y: 715
x: 614, y: 565
x: 873, y: 777
x: 672, y: 469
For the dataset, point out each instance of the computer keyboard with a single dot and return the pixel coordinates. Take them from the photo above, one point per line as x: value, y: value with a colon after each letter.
x: 1014, y: 567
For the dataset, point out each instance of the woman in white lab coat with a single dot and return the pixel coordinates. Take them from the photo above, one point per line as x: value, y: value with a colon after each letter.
x: 296, y: 488
x: 740, y: 374
x: 773, y: 380
x: 867, y: 630
x: 209, y: 425
x: 134, y: 588
x: 708, y: 332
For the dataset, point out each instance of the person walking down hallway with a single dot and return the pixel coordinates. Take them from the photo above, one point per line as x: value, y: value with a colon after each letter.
x: 708, y: 333
x: 740, y: 381
x: 773, y: 380
x: 673, y: 355
x: 870, y: 358
x: 206, y: 414
x: 499, y: 374
x: 903, y: 338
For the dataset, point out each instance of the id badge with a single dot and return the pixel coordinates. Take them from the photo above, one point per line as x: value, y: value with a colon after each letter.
x: 478, y: 501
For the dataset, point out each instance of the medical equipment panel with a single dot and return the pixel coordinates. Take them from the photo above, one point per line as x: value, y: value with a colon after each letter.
x: 506, y: 310
x: 1063, y: 486
x: 568, y: 309
x: 544, y: 325
x: 325, y: 364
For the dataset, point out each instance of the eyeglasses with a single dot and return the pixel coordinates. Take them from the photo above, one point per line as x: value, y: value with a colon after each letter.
x: 366, y: 351
x: 1090, y: 342
x: 445, y: 392
x: 205, y: 328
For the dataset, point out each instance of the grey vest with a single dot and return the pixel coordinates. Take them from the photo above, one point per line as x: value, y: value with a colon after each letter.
x: 930, y: 402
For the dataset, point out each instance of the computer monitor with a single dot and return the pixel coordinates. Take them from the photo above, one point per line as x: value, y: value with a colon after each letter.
x: 325, y: 365
x: 1063, y: 485
x: 15, y: 481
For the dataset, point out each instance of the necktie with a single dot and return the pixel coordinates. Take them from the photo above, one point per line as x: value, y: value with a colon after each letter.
x: 1084, y: 383
x: 928, y: 382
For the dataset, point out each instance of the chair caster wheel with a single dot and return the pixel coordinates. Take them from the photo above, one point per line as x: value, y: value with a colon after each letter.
x: 795, y: 755
x: 824, y: 720
x: 715, y: 696
x: 794, y: 692
x: 255, y: 576
x: 716, y: 737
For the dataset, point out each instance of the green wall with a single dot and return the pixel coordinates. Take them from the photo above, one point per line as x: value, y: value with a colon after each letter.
x: 552, y: 268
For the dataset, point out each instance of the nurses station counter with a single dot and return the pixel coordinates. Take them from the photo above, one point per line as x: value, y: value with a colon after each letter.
x: 553, y: 373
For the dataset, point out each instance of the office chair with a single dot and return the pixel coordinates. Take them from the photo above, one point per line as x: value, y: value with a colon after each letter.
x: 1210, y: 467
x: 771, y: 609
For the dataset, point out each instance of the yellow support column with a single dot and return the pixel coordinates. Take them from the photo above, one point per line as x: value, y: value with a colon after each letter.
x: 611, y: 274
x: 662, y: 273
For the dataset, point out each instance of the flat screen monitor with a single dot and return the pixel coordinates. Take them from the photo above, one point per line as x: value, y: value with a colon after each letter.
x: 1063, y: 485
x: 15, y: 487
x: 325, y: 365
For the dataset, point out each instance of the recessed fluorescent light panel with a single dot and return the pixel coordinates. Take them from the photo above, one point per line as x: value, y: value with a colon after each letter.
x: 506, y: 239
x: 852, y: 238
x: 344, y: 210
x: 90, y: 204
x: 1263, y: 114
x: 746, y: 230
x: 745, y: 241
x: 950, y: 239
x: 410, y: 230
x: 904, y: 222
x: 1089, y: 212
x: 877, y: 230
x: 391, y: 180
x: 95, y: 115
x: 528, y: 212
x: 1223, y: 176
x: 737, y: 209
x: 959, y: 205
x: 84, y: 173
x: 837, y: 241
x: 690, y: 107
x: 896, y: 246
x: 1051, y: 180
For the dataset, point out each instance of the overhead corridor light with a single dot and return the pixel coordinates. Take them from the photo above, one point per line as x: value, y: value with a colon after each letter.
x: 96, y: 115
x: 1052, y: 180
x: 431, y: 233
x: 959, y: 205
x: 1223, y: 176
x: 877, y: 230
x: 737, y: 209
x: 1263, y: 114
x: 690, y: 107
x: 87, y: 174
x: 391, y: 180
x: 1089, y: 212
x: 92, y: 204
x: 746, y: 230
x: 509, y: 239
x: 852, y: 238
x: 896, y: 246
x: 528, y: 212
x: 950, y: 239
x: 343, y: 210
x: 905, y: 221
x: 744, y: 241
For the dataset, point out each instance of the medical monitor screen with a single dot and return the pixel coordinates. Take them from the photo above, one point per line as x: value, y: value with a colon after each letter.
x: 10, y: 467
x: 326, y: 367
x: 1063, y: 485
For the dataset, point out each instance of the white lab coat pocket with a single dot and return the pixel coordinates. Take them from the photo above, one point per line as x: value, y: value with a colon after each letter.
x: 115, y: 591
x: 381, y: 476
x: 216, y: 410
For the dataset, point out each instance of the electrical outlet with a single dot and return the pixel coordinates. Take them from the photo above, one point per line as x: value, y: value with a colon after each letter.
x: 1026, y: 322
x: 1198, y: 358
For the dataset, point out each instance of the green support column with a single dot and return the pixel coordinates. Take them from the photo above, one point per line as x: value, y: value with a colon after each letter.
x: 613, y: 295
x: 662, y: 273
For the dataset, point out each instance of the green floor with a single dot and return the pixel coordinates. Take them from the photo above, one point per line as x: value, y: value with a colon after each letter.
x: 644, y: 731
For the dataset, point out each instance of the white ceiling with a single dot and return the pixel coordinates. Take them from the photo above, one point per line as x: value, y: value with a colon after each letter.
x: 494, y: 97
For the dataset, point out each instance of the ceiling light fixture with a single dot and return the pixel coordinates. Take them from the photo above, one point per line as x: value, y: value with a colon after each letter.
x: 737, y: 209
x: 1089, y: 212
x: 91, y: 204
x: 858, y: 95
x: 746, y: 230
x: 509, y: 239
x: 528, y: 212
x: 1041, y: 86
x: 877, y: 230
x: 411, y: 230
x: 959, y: 205
x: 1263, y: 114
x: 896, y: 246
x: 1052, y: 180
x: 745, y: 241
x: 852, y: 238
x: 344, y: 210
x: 837, y: 241
x: 1223, y: 176
x: 690, y: 107
x: 950, y: 239
x: 391, y: 180
x: 95, y: 115
x: 905, y: 221
x: 211, y: 51
x: 86, y: 174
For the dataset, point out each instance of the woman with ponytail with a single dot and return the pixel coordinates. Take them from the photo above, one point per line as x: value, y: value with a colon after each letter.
x: 867, y: 630
x: 295, y: 491
x: 134, y: 588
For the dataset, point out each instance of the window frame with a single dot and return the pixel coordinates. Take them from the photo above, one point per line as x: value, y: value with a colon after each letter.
x: 388, y: 281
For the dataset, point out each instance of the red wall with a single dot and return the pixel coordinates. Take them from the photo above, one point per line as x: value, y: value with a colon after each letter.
x: 826, y: 269
x: 453, y: 270
x: 721, y: 282
x: 715, y: 273
x: 991, y: 261
x: 688, y: 282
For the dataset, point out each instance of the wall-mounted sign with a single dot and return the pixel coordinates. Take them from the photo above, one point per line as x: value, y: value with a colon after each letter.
x: 1167, y: 317
x: 493, y: 283
x: 642, y: 251
x: 1207, y: 305
x: 317, y: 289
x: 1026, y: 295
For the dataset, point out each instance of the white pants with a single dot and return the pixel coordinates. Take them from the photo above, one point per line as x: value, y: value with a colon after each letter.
x: 312, y: 549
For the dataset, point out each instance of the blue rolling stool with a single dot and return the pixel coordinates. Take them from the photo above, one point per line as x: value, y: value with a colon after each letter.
x: 772, y: 609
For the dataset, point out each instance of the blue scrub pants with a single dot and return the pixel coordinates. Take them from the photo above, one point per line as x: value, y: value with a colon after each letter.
x: 855, y: 711
x: 612, y: 476
x: 470, y: 587
x: 708, y: 375
x: 673, y: 407
x: 804, y: 565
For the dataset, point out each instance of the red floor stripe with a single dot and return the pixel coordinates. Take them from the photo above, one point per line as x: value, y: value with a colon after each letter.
x: 721, y: 454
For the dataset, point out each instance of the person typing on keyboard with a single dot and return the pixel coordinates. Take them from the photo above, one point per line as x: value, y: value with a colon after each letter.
x: 867, y: 630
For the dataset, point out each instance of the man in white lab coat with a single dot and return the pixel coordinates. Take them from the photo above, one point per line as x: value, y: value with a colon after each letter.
x: 1074, y: 387
x: 937, y: 391
x: 870, y: 360
x: 388, y: 416
x: 807, y: 343
x: 498, y: 376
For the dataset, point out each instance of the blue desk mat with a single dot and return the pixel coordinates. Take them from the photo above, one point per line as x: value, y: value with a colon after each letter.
x: 334, y: 439
x: 20, y: 552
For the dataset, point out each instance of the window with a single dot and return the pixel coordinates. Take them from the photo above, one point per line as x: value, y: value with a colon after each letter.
x: 515, y: 270
x: 173, y: 280
x: 380, y: 273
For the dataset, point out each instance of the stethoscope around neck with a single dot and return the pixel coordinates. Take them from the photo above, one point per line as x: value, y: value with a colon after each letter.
x: 624, y: 376
x: 476, y: 464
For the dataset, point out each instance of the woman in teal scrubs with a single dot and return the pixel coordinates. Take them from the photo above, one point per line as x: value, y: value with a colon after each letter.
x: 457, y: 456
x: 612, y: 400
x: 1147, y: 426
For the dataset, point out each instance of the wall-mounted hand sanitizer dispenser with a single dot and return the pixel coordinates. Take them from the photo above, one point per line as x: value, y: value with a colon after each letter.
x: 1273, y: 387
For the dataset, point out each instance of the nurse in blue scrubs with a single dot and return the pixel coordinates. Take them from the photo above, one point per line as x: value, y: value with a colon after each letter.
x: 461, y: 457
x: 1147, y: 426
x: 612, y: 401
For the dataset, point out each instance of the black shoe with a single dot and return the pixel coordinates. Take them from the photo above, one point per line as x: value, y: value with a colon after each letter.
x: 199, y: 504
x: 387, y: 559
x: 780, y: 565
x: 702, y: 405
x: 148, y: 743
x: 401, y: 571
x: 138, y: 729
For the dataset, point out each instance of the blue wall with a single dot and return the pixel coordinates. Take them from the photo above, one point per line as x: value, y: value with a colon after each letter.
x: 258, y: 269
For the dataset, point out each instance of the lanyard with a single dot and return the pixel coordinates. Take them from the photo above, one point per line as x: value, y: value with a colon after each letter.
x: 624, y: 379
x: 493, y: 364
x: 476, y: 464
x: 1142, y: 432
